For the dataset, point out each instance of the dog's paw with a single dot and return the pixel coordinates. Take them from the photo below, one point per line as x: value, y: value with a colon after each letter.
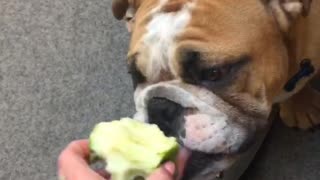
x: 302, y: 110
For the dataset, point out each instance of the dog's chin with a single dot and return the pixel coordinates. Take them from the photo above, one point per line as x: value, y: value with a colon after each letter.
x: 203, y: 165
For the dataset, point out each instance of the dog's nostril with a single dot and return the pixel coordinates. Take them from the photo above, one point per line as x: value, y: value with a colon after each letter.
x: 165, y: 113
x: 164, y: 107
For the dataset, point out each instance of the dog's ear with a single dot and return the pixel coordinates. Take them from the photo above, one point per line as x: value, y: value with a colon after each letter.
x: 287, y: 11
x: 119, y: 8
x: 125, y: 10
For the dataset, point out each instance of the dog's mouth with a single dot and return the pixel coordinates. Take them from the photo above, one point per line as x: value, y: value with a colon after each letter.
x: 198, y: 160
x: 171, y: 118
x: 202, y: 163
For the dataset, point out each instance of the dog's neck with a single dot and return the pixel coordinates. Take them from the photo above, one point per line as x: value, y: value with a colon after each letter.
x: 303, y: 41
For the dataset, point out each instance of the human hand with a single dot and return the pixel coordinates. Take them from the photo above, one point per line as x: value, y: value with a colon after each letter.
x: 73, y: 165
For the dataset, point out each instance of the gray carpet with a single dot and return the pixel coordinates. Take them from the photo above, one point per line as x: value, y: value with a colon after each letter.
x: 62, y: 69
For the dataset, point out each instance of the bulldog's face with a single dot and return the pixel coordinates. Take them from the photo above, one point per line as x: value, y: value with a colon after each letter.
x: 206, y: 72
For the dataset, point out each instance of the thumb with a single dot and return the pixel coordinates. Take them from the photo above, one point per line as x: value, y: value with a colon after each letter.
x: 166, y: 172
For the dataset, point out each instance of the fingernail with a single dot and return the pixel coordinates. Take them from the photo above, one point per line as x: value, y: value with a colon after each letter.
x: 170, y: 167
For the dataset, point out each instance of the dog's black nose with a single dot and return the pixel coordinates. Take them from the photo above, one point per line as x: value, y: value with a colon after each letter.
x: 166, y: 114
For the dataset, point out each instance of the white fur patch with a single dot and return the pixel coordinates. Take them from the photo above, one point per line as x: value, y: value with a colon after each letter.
x: 160, y: 37
x: 213, y: 133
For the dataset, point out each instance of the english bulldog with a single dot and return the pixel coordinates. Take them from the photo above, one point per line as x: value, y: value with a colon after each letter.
x: 209, y: 71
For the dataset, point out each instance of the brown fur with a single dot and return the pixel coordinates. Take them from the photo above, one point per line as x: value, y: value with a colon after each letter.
x: 173, y: 6
x: 277, y: 41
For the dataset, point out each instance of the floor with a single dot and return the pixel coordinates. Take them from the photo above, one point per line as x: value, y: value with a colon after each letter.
x: 62, y: 70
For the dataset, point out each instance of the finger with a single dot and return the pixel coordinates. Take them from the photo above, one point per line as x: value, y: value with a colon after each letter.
x: 170, y: 167
x: 73, y: 164
x: 80, y: 148
x: 182, y: 159
x: 165, y: 172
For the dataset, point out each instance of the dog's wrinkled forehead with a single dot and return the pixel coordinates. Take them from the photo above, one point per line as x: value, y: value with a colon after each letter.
x: 222, y: 32
x: 154, y: 38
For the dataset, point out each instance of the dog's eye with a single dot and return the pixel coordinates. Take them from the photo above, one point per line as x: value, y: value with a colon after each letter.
x: 215, y: 73
x: 222, y: 75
